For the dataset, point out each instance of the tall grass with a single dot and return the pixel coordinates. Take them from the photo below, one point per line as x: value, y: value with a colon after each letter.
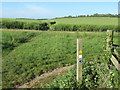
x: 14, y: 39
x: 47, y: 51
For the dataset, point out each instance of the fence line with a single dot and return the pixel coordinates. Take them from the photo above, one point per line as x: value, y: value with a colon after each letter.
x: 111, y: 48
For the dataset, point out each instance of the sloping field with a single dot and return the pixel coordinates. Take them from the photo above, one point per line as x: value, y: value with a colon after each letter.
x: 85, y: 24
x: 79, y: 20
x: 38, y: 52
x: 89, y: 20
x: 64, y: 24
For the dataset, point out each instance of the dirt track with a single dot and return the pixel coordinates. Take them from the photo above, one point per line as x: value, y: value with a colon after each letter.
x: 36, y: 30
x: 45, y: 75
x: 46, y: 31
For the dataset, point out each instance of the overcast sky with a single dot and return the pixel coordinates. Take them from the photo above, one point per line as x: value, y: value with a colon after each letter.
x: 55, y: 9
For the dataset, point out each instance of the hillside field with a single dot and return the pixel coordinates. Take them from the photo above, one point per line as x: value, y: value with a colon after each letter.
x: 89, y: 20
x: 79, y: 20
x: 64, y: 24
x: 28, y: 54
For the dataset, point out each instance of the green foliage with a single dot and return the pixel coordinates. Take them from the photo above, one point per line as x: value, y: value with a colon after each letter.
x: 68, y: 80
x: 95, y: 75
x: 64, y: 24
x: 14, y: 39
x: 16, y: 24
x: 94, y: 15
x: 73, y: 27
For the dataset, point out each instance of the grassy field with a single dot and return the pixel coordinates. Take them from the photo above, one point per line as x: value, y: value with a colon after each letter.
x: 29, y: 54
x: 24, y: 20
x: 64, y: 24
x: 85, y: 24
x: 79, y: 20
x: 89, y: 20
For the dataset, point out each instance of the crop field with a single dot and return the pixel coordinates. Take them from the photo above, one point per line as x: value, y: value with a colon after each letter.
x: 29, y: 54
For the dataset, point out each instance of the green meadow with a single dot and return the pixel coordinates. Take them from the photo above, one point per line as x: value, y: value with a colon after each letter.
x: 89, y: 20
x: 28, y: 54
x: 31, y: 48
x: 79, y: 20
x: 64, y: 24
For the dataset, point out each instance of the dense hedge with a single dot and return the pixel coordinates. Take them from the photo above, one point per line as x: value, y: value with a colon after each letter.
x: 25, y: 25
x: 72, y: 27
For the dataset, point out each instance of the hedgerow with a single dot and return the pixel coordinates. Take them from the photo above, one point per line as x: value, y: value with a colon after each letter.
x: 82, y: 27
x: 14, y: 24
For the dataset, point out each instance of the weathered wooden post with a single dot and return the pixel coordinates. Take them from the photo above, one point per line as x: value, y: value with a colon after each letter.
x: 109, y: 48
x: 109, y: 41
x: 79, y: 60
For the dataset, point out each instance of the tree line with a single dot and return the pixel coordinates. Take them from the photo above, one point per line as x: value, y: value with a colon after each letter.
x: 94, y: 15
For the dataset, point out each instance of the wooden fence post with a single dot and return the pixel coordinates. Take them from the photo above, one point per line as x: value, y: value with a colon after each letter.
x: 109, y: 47
x: 79, y: 60
x: 109, y: 40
